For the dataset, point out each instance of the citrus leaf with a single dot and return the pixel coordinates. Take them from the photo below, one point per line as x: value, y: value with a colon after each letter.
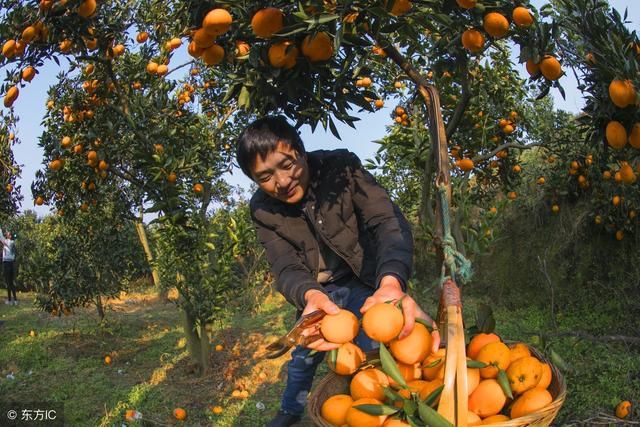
x: 433, y: 396
x: 372, y: 409
x: 476, y: 364
x: 431, y: 417
x: 503, y: 380
x: 390, y: 367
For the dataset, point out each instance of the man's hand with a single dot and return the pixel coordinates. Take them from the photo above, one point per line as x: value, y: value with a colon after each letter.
x: 317, y: 300
x: 390, y: 289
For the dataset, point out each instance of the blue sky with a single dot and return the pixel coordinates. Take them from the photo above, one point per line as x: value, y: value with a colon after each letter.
x: 30, y: 106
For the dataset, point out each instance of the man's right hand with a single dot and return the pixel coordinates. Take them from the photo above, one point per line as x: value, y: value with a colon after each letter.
x: 317, y: 300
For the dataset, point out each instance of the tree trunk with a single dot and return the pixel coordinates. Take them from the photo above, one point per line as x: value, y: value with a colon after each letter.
x: 142, y: 235
x: 197, y: 341
x: 100, y: 307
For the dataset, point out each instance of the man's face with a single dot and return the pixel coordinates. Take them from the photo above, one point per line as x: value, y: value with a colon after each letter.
x: 283, y: 174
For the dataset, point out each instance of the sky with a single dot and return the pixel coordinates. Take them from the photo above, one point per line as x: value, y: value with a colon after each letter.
x: 30, y: 107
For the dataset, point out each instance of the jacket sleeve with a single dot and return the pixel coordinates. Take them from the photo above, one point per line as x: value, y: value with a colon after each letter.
x: 293, y: 278
x: 385, y: 223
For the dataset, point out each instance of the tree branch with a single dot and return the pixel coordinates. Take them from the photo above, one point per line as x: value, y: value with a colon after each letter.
x: 452, y: 126
x: 503, y: 147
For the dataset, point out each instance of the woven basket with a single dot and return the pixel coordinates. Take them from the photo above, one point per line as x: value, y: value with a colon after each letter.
x: 333, y: 384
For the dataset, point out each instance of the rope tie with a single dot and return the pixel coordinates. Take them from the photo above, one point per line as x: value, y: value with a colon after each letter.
x: 459, y: 267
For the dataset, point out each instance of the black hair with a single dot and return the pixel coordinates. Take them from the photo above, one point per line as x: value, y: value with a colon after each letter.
x: 262, y: 137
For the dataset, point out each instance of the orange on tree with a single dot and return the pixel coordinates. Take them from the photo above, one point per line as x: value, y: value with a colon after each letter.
x: 28, y: 73
x: 533, y: 68
x: 634, y: 136
x: 334, y: 409
x: 495, y: 24
x: 202, y: 39
x: 369, y: 383
x: 524, y: 373
x: 616, y: 135
x: 496, y: 355
x: 550, y: 67
x: 152, y: 67
x: 382, y: 322
x: 622, y: 93
x: 540, y: 180
x: 530, y: 401
x: 87, y: 8
x: 465, y: 164
x: 180, y: 414
x: 619, y: 235
x: 11, y: 96
x: 339, y: 328
x: 349, y: 357
x: 357, y: 418
x: 242, y: 48
x: 266, y: 22
x: 480, y: 340
x: 162, y: 70
x: 473, y: 40
x: 627, y: 174
x: 400, y: 7
x: 39, y: 201
x: 487, y: 399
x: 522, y: 16
x: 142, y: 37
x: 378, y: 103
x: 623, y: 409
x: 194, y: 50
x: 318, y: 47
x: 413, y: 348
x: 217, y: 22
x: 213, y: 55
x: 467, y: 4
x: 283, y: 54
x: 29, y: 34
x: 198, y: 188
x: 172, y: 178
x: 55, y: 165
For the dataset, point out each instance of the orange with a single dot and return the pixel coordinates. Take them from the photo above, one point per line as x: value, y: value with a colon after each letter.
x: 472, y: 40
x: 545, y: 377
x: 414, y: 387
x: 413, y: 348
x: 198, y: 188
x: 107, y: 358
x: 172, y: 178
x: 202, y: 39
x: 152, y: 67
x: 433, y: 365
x: 466, y: 4
x: 408, y: 372
x: 29, y: 34
x: 550, y: 67
x: 619, y: 235
x: 77, y: 149
x: 213, y: 55
x: 242, y: 48
x: 616, y: 135
x: 162, y: 70
x: 495, y: 419
x: 400, y: 7
x: 473, y: 379
x: 522, y: 17
x: 348, y: 359
x: 318, y: 47
x: 217, y: 22
x: 334, y: 409
x: 28, y: 73
x: 487, y: 399
x: 369, y: 383
x: 217, y: 410
x: 634, y: 136
x: 465, y: 164
x: 142, y: 37
x: 339, y: 328
x: 532, y: 68
x: 530, y: 401
x: 55, y: 165
x: 357, y: 418
x: 194, y: 50
x: 496, y: 355
x: 379, y: 103
x: 555, y: 209
x: 627, y: 174
x: 40, y: 201
x: 180, y: 414
x: 518, y: 350
x: 473, y: 419
x: 87, y: 8
x: 283, y: 54
x: 622, y: 93
x: 266, y: 22
x: 9, y: 48
x: 623, y: 409
x: 524, y: 374
x: 429, y: 388
x: 495, y: 24
x: 11, y: 96
x: 478, y: 341
x: 382, y: 322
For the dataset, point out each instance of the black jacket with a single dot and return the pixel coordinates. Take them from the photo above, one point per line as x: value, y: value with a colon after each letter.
x: 347, y: 208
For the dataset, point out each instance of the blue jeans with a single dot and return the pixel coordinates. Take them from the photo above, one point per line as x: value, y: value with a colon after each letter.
x: 301, y: 369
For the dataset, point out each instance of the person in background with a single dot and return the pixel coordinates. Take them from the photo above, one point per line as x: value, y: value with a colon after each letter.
x: 8, y: 265
x: 332, y: 236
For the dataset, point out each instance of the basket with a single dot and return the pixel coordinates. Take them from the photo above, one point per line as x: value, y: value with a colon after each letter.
x: 333, y: 383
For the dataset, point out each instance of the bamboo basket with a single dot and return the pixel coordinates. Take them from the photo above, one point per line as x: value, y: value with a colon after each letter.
x: 333, y: 383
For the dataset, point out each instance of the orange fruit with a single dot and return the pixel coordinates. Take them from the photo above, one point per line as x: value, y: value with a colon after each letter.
x: 382, y: 322
x: 555, y: 208
x: 473, y: 379
x: 409, y: 373
x: 634, y: 136
x: 107, y: 358
x: 29, y: 34
x: 400, y: 7
x: 334, y: 409
x: 194, y: 50
x: 77, y: 149
x: 472, y: 40
x: 142, y: 37
x: 283, y: 54
x: 103, y: 166
x: 616, y: 135
x: 413, y: 348
x: 522, y: 17
x: 532, y: 68
x: 339, y: 328
x: 433, y: 365
x: 318, y: 47
x: 413, y: 387
x: 473, y: 419
x: 202, y: 39
x: 466, y: 4
x: 495, y: 419
x: 242, y: 48
x: 465, y: 164
x: 87, y: 8
x: 217, y: 22
x: 40, y: 201
x: 429, y: 387
x: 524, y: 374
x: 180, y: 414
x: 627, y: 174
x: 9, y: 48
x: 348, y: 360
x: 213, y: 55
x: 11, y: 96
x: 530, y: 401
x: 369, y: 383
x: 357, y: 418
x: 496, y: 355
x: 266, y: 22
x: 619, y: 235
x: 495, y: 24
x: 378, y: 103
x: 623, y: 409
x: 172, y: 178
x: 217, y: 410
x: 487, y: 399
x: 545, y: 377
x: 152, y: 67
x: 198, y: 188
x: 550, y: 67
x: 478, y: 341
x: 518, y: 350
x: 622, y: 93
x: 55, y: 165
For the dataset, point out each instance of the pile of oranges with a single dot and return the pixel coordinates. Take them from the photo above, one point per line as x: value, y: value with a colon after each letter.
x: 504, y: 381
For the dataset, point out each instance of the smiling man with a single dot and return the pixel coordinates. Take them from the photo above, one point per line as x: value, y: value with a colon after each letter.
x: 332, y: 236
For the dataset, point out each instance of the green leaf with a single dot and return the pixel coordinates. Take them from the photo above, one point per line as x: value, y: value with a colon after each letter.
x: 372, y: 409
x: 390, y: 367
x: 503, y: 380
x: 431, y: 417
x: 476, y: 364
x: 332, y: 358
x: 433, y: 396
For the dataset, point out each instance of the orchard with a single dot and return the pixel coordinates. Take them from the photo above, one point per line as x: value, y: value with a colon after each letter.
x: 139, y: 141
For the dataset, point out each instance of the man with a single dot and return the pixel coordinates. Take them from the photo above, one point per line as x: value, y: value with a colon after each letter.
x: 332, y: 236
x: 8, y: 259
